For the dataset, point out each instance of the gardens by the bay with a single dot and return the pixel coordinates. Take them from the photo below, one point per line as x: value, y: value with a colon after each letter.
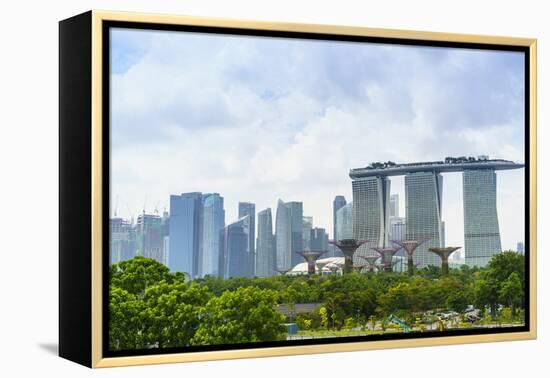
x: 150, y: 307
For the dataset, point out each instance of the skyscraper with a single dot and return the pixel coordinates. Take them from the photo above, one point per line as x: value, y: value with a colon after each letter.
x: 394, y: 205
x: 337, y: 204
x: 235, y: 248
x: 122, y: 240
x: 185, y: 233
x: 481, y: 230
x: 319, y: 239
x: 520, y: 248
x: 423, y: 192
x: 150, y: 242
x: 283, y: 236
x: 265, y: 251
x: 307, y: 225
x: 397, y: 228
x: 247, y: 208
x: 213, y: 222
x: 371, y: 197
x: 344, y: 222
x: 296, y: 229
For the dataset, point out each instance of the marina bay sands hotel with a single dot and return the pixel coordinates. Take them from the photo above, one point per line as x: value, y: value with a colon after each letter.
x: 423, y: 199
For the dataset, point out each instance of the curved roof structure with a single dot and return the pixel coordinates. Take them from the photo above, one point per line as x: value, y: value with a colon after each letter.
x: 302, y: 267
x: 449, y: 165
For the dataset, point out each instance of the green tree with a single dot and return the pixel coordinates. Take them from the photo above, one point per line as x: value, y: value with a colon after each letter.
x: 486, y: 293
x: 125, y: 320
x: 511, y: 292
x: 137, y: 274
x: 172, y: 313
x: 245, y: 315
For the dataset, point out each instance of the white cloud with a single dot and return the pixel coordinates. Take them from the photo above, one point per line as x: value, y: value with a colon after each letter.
x: 257, y: 120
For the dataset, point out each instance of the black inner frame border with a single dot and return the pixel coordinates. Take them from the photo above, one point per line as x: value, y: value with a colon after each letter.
x: 107, y: 25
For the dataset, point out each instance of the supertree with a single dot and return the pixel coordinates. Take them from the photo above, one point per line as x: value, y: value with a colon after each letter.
x: 348, y: 248
x: 444, y: 254
x: 387, y: 256
x: 409, y: 246
x: 311, y: 257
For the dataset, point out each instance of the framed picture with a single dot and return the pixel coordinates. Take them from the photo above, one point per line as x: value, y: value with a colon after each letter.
x: 234, y: 189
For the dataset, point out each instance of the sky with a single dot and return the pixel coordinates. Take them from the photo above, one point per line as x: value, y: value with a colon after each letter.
x: 257, y: 119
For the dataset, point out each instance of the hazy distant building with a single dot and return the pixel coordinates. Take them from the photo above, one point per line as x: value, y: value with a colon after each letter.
x: 296, y: 230
x: 265, y: 246
x: 397, y: 228
x: 344, y: 222
x: 307, y: 225
x: 481, y: 230
x: 122, y: 240
x: 235, y: 248
x: 319, y: 239
x: 423, y: 192
x: 337, y: 204
x: 283, y: 236
x: 520, y: 248
x: 185, y: 233
x: 213, y: 222
x: 149, y: 237
x: 394, y: 205
x: 247, y: 208
x: 371, y: 196
x: 166, y: 248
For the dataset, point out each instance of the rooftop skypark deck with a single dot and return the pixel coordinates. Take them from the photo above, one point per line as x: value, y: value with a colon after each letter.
x: 450, y: 164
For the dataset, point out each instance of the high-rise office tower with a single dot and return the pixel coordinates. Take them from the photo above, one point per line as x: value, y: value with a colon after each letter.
x: 319, y: 239
x: 247, y: 208
x: 122, y: 240
x: 520, y: 248
x: 307, y: 225
x: 397, y: 228
x: 185, y: 233
x: 149, y: 237
x: 165, y: 236
x: 166, y: 248
x: 394, y: 205
x: 213, y: 222
x: 265, y: 246
x: 235, y: 248
x: 371, y: 196
x: 283, y: 236
x: 344, y: 222
x: 481, y: 230
x: 337, y: 204
x: 296, y: 230
x: 423, y: 193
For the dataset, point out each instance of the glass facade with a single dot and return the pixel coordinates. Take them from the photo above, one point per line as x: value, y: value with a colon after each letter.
x: 265, y: 246
x: 344, y: 222
x: 481, y: 230
x: 213, y: 222
x: 423, y: 191
x: 235, y: 248
x: 185, y: 233
x: 150, y: 241
x: 247, y: 208
x: 371, y: 196
x: 122, y: 242
x: 283, y: 235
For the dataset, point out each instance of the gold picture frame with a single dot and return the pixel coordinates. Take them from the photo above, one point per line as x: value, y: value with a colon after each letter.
x: 87, y: 32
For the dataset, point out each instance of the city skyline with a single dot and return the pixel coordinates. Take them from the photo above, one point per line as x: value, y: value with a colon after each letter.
x: 307, y: 122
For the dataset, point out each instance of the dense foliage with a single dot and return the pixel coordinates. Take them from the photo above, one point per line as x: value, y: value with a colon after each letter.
x: 151, y: 307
